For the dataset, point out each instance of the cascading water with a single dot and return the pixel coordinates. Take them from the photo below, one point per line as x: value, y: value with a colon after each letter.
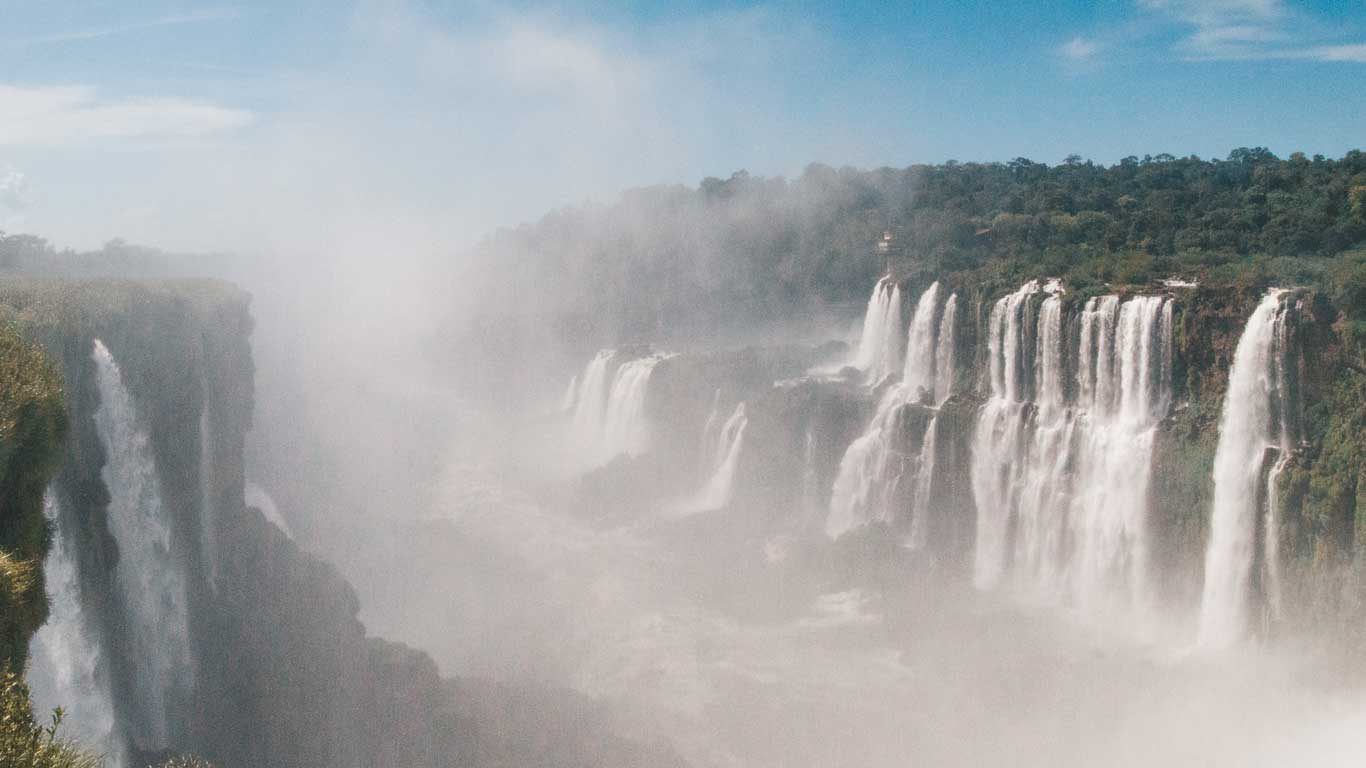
x: 1255, y: 426
x: 890, y: 459
x: 882, y: 344
x: 208, y: 518
x: 1062, y: 488
x: 918, y: 377
x: 255, y: 496
x: 945, y: 351
x: 591, y: 405
x: 998, y: 443
x: 148, y: 576
x: 66, y: 667
x: 570, y: 396
x: 609, y: 413
x: 722, y: 458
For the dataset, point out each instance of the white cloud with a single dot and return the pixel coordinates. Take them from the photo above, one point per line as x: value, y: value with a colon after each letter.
x: 93, y: 33
x: 1247, y: 30
x: 57, y: 115
x: 1080, y: 50
x: 1354, y: 53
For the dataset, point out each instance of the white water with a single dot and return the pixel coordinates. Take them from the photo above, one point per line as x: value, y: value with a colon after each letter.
x: 882, y: 344
x: 1252, y: 423
x: 1062, y: 487
x: 208, y: 517
x: 874, y: 466
x: 609, y: 412
x: 66, y: 668
x: 723, y: 455
x: 945, y: 351
x: 256, y: 496
x: 149, y: 579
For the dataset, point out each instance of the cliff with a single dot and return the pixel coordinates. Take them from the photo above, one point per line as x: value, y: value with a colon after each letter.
x: 281, y: 671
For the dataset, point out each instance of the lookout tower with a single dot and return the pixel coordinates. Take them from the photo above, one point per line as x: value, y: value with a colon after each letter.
x: 889, y: 251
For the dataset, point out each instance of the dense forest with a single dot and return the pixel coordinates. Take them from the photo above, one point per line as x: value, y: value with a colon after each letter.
x: 763, y: 248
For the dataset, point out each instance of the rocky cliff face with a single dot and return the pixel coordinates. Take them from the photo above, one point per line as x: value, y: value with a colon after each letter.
x: 919, y: 479
x: 281, y: 672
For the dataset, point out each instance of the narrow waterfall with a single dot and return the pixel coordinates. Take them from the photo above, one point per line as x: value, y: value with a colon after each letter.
x: 570, y: 396
x: 208, y: 518
x: 711, y: 434
x: 918, y: 378
x: 945, y: 351
x: 591, y: 405
x: 66, y: 667
x: 882, y: 344
x: 724, y: 455
x: 1253, y: 430
x: 1062, y: 482
x: 997, y: 454
x: 625, y: 429
x: 887, y: 464
x: 609, y: 412
x: 255, y: 496
x: 149, y: 578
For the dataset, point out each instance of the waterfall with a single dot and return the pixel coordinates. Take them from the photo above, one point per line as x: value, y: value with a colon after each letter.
x: 723, y: 456
x: 66, y: 668
x: 255, y: 496
x: 1254, y: 426
x: 591, y: 405
x: 998, y: 441
x: 208, y: 518
x: 881, y: 345
x: 147, y: 575
x: 887, y: 464
x: 625, y: 429
x: 919, y: 375
x: 945, y: 351
x: 609, y: 411
x: 570, y: 396
x: 1062, y: 484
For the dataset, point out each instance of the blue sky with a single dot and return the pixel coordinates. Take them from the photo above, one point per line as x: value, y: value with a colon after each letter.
x: 270, y: 125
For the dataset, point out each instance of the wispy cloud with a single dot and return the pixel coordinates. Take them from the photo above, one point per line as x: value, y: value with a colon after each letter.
x: 1080, y: 50
x: 1247, y: 30
x: 200, y: 16
x: 55, y: 115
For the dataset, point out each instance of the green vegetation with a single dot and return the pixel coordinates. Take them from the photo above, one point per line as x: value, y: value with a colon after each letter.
x: 758, y: 248
x: 32, y: 428
x: 27, y: 743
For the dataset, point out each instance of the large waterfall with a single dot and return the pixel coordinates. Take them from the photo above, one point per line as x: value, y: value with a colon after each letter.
x: 66, y: 667
x: 150, y: 579
x: 1061, y: 480
x: 609, y: 406
x: 882, y: 345
x: 892, y: 462
x: 1254, y: 441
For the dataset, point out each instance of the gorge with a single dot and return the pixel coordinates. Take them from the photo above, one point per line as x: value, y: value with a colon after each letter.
x: 1070, y: 510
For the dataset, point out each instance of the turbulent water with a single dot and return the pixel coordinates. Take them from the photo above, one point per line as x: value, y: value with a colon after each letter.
x: 1062, y: 481
x: 893, y: 460
x: 1254, y: 439
x: 150, y: 580
x: 66, y: 666
x: 609, y: 406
